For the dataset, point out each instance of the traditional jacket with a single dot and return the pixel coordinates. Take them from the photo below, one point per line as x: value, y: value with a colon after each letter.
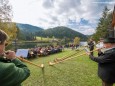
x: 106, y: 65
x: 91, y: 45
x: 12, y: 73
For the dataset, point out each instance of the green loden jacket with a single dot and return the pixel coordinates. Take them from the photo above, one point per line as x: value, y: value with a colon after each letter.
x: 12, y: 73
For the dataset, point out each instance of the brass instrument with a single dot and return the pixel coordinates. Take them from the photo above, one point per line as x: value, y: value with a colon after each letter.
x: 22, y: 59
x: 68, y: 58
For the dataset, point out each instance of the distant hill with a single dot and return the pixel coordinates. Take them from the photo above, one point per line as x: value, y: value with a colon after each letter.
x: 28, y: 28
x: 57, y: 32
x: 61, y: 32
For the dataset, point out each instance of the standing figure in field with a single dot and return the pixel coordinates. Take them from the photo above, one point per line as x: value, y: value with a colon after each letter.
x: 91, y: 45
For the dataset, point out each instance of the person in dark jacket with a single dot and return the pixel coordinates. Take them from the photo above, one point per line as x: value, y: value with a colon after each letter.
x: 12, y: 71
x: 91, y: 45
x: 106, y: 62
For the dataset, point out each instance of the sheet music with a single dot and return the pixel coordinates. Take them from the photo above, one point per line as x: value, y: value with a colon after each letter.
x: 22, y: 52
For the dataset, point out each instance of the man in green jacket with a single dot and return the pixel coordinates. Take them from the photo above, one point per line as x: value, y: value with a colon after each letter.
x: 12, y: 71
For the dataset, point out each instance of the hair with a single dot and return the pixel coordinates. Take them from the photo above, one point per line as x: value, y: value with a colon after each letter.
x: 3, y: 36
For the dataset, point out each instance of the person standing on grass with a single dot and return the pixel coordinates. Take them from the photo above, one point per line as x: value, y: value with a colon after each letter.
x: 12, y: 71
x: 91, y: 45
x: 106, y: 62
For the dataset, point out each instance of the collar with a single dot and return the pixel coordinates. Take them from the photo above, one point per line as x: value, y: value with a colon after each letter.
x: 4, y: 59
x: 110, y: 50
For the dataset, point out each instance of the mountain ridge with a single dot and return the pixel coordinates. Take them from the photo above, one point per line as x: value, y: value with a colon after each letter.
x: 28, y: 27
x: 58, y: 32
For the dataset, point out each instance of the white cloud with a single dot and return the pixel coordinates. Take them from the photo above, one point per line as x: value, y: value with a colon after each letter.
x: 86, y: 29
x: 52, y: 13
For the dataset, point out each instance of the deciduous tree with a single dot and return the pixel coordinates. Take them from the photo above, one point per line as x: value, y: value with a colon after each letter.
x: 5, y: 19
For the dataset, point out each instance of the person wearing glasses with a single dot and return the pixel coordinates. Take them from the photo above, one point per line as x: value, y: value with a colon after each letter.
x: 12, y: 71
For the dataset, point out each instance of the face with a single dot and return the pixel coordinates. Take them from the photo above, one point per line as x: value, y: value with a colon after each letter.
x: 109, y: 45
x: 91, y: 40
x: 2, y: 47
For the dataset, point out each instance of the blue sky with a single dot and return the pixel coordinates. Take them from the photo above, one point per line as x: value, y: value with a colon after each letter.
x: 79, y: 15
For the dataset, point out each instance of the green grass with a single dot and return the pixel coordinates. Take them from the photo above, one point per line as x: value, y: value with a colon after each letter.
x: 79, y: 71
x: 43, y: 38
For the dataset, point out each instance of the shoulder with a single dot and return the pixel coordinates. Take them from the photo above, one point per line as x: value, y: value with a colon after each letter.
x: 6, y: 69
x: 112, y: 50
x: 6, y: 66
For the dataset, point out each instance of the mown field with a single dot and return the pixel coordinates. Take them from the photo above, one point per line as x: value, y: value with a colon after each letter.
x: 79, y: 71
x: 43, y: 38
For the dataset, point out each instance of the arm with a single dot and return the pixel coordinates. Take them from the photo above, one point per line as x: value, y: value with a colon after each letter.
x: 100, y: 53
x: 15, y: 72
x: 106, y: 58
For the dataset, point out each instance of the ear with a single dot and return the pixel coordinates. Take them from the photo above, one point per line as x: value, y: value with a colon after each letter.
x: 0, y: 42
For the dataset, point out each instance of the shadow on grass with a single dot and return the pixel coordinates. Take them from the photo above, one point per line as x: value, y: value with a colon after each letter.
x: 44, y: 78
x: 57, y: 68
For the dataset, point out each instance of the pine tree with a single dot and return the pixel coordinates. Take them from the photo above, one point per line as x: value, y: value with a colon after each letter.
x: 103, y: 24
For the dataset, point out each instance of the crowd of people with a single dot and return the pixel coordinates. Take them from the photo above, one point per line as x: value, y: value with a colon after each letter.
x: 72, y: 46
x: 44, y: 51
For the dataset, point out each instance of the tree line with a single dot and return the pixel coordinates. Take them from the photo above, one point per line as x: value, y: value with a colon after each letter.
x: 104, y: 25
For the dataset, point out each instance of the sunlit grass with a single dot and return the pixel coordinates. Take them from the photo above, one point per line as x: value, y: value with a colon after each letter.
x: 43, y: 38
x: 79, y: 71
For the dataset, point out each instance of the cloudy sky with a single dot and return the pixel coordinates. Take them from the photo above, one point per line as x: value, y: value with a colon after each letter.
x: 79, y: 15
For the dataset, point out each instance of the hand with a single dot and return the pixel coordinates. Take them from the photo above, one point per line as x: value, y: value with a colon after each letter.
x: 10, y: 55
x: 98, y: 49
x: 88, y: 53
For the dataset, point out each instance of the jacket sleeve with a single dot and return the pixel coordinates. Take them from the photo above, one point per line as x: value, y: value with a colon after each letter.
x: 16, y: 72
x: 106, y: 58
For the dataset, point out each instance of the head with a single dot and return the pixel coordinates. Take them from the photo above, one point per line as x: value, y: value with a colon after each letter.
x: 101, y: 40
x: 90, y: 39
x: 3, y: 38
x: 109, y: 43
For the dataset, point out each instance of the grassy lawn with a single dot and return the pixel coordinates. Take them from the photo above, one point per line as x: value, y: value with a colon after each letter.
x: 79, y: 71
x: 43, y: 38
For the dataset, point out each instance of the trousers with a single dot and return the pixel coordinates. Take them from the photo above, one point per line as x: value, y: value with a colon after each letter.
x: 106, y: 84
